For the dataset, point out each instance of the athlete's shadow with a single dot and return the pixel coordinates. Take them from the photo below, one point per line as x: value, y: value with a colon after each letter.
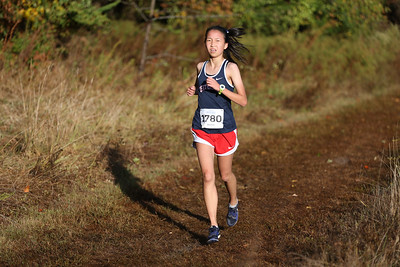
x: 131, y: 187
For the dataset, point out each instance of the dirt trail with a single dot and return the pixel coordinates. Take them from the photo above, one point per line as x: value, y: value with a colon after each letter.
x: 294, y: 185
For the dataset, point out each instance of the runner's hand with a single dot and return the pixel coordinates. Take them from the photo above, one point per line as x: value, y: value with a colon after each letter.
x: 191, y: 90
x: 211, y: 82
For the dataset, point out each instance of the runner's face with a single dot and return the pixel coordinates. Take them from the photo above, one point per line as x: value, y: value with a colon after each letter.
x: 215, y: 43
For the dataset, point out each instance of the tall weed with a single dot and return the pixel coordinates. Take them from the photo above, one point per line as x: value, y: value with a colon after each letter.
x: 382, y: 219
x: 376, y: 230
x: 52, y: 128
x: 293, y: 76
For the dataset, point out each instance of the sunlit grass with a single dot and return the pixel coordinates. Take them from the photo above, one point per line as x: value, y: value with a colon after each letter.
x: 59, y: 116
x: 376, y: 229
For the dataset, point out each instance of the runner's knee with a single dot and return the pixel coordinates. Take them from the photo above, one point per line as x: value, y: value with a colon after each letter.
x: 227, y: 176
x: 208, y: 177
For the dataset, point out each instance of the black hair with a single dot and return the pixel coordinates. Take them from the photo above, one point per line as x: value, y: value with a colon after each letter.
x: 235, y: 49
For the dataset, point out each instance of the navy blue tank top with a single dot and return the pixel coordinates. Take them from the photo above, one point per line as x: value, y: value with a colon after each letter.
x: 214, y: 112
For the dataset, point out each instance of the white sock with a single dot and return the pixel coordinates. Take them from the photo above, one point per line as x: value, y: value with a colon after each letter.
x: 234, y: 206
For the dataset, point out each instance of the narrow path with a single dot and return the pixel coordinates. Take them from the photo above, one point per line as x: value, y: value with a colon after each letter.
x: 295, y: 185
x: 307, y: 175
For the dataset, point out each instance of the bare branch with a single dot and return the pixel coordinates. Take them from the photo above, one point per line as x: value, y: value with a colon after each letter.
x: 147, y: 36
x: 138, y: 9
x: 191, y: 17
x: 146, y: 19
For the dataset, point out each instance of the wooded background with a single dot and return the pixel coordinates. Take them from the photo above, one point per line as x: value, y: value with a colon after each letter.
x: 51, y: 23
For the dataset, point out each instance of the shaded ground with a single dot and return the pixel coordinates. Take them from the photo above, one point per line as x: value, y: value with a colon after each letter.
x: 295, y: 185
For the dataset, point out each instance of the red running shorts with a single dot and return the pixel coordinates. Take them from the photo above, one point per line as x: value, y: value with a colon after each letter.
x: 223, y: 144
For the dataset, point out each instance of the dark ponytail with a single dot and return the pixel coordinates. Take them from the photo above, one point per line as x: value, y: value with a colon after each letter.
x: 235, y: 49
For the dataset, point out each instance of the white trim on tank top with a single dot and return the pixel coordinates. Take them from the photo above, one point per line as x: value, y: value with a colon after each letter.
x: 203, y: 69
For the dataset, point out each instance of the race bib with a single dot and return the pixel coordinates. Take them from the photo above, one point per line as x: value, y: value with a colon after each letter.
x: 212, y: 118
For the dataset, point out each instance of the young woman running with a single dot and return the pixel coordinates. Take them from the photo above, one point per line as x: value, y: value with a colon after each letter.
x: 214, y: 127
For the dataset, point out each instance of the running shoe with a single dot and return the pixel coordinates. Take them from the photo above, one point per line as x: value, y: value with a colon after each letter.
x: 213, y: 235
x: 232, y: 216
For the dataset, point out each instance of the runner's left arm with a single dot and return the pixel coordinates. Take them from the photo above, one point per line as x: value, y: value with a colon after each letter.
x: 233, y: 72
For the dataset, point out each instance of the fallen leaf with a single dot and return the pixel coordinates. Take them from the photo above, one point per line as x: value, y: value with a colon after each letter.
x: 184, y: 177
x: 26, y: 190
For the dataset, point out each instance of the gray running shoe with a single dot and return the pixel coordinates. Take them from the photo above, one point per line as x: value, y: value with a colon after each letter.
x: 232, y: 216
x: 213, y: 235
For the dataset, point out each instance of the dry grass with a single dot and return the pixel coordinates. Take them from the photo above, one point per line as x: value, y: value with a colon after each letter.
x: 379, y: 225
x: 372, y: 232
x: 55, y: 188
x: 59, y: 117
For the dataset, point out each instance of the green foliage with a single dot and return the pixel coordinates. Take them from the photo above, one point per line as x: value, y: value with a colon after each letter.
x: 32, y: 25
x: 275, y: 16
x: 180, y: 14
x: 355, y: 15
x: 64, y: 14
x: 278, y: 16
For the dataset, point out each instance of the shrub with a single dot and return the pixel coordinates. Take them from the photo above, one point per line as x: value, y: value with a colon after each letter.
x: 279, y: 16
x: 42, y: 22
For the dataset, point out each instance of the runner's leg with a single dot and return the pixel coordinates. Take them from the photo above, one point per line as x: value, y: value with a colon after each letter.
x: 205, y: 154
x: 225, y: 170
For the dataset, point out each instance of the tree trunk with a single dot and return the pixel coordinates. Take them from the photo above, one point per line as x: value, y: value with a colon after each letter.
x: 147, y: 36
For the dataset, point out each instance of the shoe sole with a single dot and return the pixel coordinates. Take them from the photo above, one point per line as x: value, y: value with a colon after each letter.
x: 214, y: 240
x: 232, y: 224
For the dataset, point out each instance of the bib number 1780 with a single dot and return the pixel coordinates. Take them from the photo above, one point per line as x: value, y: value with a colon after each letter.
x: 212, y: 118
